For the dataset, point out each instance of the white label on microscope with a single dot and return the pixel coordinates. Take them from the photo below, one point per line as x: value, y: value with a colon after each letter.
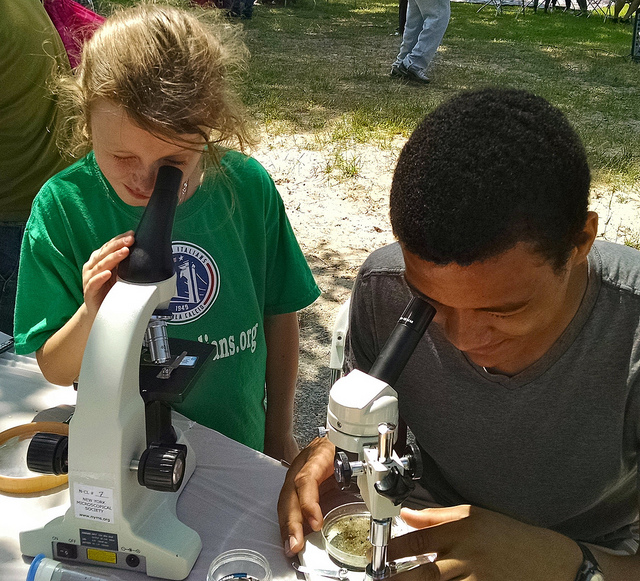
x: 93, y: 503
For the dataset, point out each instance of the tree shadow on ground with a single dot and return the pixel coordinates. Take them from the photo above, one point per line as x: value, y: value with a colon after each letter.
x: 335, y: 272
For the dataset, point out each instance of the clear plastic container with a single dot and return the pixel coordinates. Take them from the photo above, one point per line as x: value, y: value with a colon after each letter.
x: 44, y: 569
x: 239, y: 565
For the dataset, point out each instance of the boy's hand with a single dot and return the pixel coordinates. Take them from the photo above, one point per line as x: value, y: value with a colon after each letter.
x: 299, y: 501
x: 475, y: 544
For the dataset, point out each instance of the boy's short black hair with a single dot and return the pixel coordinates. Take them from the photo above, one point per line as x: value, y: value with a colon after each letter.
x: 486, y: 170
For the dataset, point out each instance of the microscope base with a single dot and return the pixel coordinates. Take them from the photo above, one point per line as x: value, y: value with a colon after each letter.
x: 156, y: 543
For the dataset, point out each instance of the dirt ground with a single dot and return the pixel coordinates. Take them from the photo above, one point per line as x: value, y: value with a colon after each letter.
x: 340, y: 217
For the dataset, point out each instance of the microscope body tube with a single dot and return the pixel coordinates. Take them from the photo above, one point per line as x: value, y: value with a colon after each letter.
x: 403, y: 340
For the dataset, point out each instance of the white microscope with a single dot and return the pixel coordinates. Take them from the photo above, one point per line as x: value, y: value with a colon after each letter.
x: 363, y: 417
x: 127, y: 464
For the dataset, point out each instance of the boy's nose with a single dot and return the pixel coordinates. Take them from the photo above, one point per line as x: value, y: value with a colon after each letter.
x: 466, y: 330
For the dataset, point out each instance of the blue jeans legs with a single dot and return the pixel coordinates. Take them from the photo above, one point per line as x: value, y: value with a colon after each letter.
x: 427, y: 21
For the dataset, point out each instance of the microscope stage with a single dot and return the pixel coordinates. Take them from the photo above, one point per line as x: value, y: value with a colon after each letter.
x: 175, y: 388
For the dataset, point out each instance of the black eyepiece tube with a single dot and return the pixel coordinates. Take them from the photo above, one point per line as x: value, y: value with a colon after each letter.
x: 402, y: 342
x: 150, y: 258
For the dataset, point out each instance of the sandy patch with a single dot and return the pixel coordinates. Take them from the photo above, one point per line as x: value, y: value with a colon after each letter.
x: 337, y: 201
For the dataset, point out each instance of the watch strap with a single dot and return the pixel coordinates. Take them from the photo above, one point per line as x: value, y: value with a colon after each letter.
x: 589, y: 569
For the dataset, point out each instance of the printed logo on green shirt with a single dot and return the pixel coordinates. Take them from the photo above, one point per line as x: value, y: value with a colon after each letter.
x: 198, y: 282
x: 232, y: 345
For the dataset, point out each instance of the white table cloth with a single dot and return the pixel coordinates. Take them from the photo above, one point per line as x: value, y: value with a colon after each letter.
x: 230, y: 500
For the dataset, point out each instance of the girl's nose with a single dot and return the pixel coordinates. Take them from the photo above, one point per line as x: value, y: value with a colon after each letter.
x: 146, y: 178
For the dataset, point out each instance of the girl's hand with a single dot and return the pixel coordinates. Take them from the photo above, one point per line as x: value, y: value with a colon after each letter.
x: 99, y: 272
x: 60, y: 357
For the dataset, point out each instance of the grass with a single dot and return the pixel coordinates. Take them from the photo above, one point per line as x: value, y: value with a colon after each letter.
x: 321, y: 67
x: 345, y: 165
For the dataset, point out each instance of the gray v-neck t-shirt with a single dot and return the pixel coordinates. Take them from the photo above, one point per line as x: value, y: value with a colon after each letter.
x: 555, y: 445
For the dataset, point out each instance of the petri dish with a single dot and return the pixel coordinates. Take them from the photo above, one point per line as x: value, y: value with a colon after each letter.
x: 346, y: 534
x: 239, y: 565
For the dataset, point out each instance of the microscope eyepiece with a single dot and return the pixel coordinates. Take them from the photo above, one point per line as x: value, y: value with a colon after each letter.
x: 403, y: 340
x: 150, y: 258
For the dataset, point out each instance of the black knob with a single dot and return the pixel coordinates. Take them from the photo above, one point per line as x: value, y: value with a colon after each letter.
x: 132, y: 560
x: 162, y: 467
x: 342, y: 469
x: 414, y: 456
x: 48, y: 454
x: 395, y: 486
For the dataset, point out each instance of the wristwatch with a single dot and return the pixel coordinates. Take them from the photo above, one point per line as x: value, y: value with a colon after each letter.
x: 589, y: 570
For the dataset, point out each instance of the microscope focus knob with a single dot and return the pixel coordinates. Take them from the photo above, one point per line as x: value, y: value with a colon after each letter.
x: 395, y: 486
x: 48, y: 454
x: 162, y: 467
x: 414, y: 460
x: 342, y: 469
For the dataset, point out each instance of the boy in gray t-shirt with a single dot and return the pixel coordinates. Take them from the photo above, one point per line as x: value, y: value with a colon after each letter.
x: 554, y: 445
x: 523, y: 393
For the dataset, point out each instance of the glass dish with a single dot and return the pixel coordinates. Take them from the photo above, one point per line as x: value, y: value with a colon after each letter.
x: 239, y: 565
x: 346, y: 534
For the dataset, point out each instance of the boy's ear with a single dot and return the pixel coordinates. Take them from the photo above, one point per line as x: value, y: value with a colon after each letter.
x: 586, y: 238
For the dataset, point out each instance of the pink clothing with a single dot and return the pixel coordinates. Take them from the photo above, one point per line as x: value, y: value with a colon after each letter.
x: 75, y: 24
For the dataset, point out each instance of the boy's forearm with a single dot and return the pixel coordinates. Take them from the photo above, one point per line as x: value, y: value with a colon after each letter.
x: 617, y: 568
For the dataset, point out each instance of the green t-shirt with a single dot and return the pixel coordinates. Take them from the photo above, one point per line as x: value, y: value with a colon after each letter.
x: 31, y: 52
x: 236, y: 260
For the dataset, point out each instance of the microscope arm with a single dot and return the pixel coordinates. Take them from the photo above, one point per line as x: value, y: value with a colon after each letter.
x: 123, y: 480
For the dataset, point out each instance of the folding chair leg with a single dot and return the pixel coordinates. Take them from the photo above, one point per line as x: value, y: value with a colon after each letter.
x: 496, y: 3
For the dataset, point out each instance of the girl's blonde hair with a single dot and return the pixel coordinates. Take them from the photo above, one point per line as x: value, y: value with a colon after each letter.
x: 170, y: 71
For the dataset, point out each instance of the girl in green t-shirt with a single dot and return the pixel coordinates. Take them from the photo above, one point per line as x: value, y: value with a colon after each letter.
x: 152, y: 89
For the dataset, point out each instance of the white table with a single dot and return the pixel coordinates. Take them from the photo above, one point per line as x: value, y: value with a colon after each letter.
x: 230, y: 500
